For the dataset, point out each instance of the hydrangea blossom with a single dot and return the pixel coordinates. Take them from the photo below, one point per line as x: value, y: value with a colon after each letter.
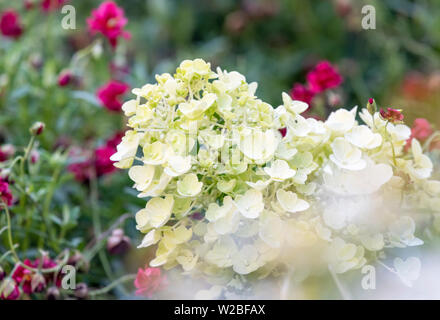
x: 231, y: 199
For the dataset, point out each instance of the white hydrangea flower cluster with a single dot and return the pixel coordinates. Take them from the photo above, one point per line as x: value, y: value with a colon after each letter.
x: 231, y: 198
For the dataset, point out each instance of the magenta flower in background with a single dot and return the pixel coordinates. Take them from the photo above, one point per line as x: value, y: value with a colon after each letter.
x: 302, y: 93
x: 324, y: 76
x: 98, y: 163
x: 148, y: 281
x: 109, y: 19
x: 5, y: 193
x: 115, y: 140
x: 110, y: 94
x: 10, y: 291
x: 51, y: 5
x: 103, y: 164
x: 421, y: 130
x: 10, y: 25
x: 23, y: 276
x: 6, y: 152
x: 65, y: 78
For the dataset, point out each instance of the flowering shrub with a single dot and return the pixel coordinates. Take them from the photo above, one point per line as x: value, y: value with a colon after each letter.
x: 336, y: 191
x: 251, y: 191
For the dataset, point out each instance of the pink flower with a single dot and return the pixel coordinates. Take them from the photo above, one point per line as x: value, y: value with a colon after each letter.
x: 103, y: 164
x: 324, y: 76
x: 10, y: 25
x: 148, y: 281
x: 115, y: 140
x: 109, y: 94
x: 30, y: 281
x: 109, y: 19
x: 421, y: 130
x: 51, y: 5
x: 5, y: 193
x: 392, y: 115
x: 82, y: 171
x: 302, y: 93
x: 10, y: 290
x: 23, y: 276
x: 98, y: 163
x: 64, y: 78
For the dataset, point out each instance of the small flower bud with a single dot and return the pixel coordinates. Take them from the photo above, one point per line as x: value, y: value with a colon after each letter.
x: 65, y: 78
x: 118, y: 243
x: 82, y: 291
x: 2, y: 274
x: 77, y: 260
x: 53, y: 293
x: 371, y: 106
x: 37, y: 128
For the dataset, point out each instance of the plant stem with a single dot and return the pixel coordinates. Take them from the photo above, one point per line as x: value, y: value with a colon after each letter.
x: 126, y: 278
x: 8, y: 222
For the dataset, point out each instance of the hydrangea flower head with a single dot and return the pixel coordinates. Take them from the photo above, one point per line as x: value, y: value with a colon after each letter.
x: 231, y: 198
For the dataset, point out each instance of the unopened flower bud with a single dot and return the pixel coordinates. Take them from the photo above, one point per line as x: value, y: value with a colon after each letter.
x: 2, y: 274
x: 53, y: 293
x: 334, y: 99
x: 118, y: 243
x: 65, y: 78
x: 371, y: 106
x: 37, y: 128
x: 82, y: 291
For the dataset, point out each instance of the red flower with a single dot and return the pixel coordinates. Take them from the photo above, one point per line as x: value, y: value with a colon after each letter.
x: 324, y: 76
x: 99, y: 163
x: 110, y: 93
x: 108, y: 19
x: 302, y: 93
x: 6, y: 152
x: 28, y: 4
x: 31, y: 281
x: 149, y: 281
x: 10, y: 291
x: 23, y: 276
x: 10, y: 25
x: 103, y: 164
x: 82, y: 171
x: 5, y: 193
x: 64, y: 78
x: 115, y: 140
x: 421, y: 130
x: 392, y: 115
x: 51, y: 5
x: 415, y: 86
